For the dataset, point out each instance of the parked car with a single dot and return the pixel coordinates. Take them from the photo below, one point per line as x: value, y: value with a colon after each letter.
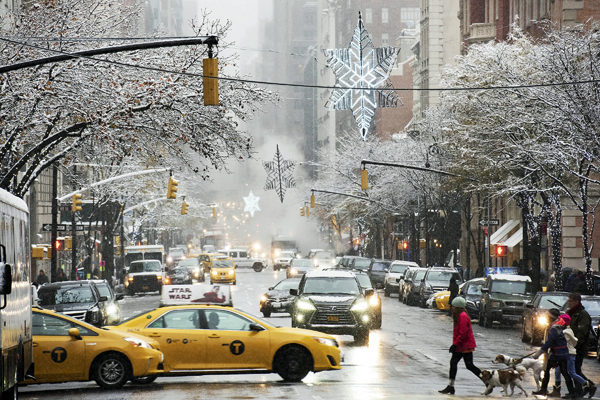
x: 436, y: 279
x: 345, y: 262
x: 402, y: 281
x: 113, y: 309
x: 360, y: 263
x: 374, y: 300
x: 332, y: 302
x: 439, y: 301
x: 535, y: 315
x: 278, y: 298
x: 144, y: 276
x: 178, y: 276
x: 194, y: 268
x: 377, y: 271
x: 412, y: 284
x: 283, y: 260
x: 298, y: 267
x: 503, y: 299
x: 592, y: 306
x: 77, y: 299
x: 397, y: 268
x: 471, y: 292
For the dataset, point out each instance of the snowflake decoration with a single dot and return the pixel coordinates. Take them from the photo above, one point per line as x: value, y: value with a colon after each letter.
x: 279, y: 174
x: 251, y: 203
x: 362, y: 66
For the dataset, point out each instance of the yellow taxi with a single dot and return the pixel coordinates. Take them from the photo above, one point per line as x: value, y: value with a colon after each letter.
x: 215, y: 339
x: 223, y: 270
x: 441, y: 300
x: 66, y: 349
x: 207, y: 258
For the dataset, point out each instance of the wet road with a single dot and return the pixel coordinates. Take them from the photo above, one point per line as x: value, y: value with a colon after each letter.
x: 407, y: 357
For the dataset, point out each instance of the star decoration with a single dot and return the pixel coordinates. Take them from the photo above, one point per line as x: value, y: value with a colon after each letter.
x: 279, y: 174
x: 362, y: 66
x: 251, y: 203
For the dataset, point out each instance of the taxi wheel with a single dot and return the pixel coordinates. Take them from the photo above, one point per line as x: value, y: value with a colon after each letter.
x: 144, y: 380
x: 234, y: 283
x: 293, y: 363
x: 111, y: 371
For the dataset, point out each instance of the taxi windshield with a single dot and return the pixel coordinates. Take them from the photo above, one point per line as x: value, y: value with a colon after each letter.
x: 223, y: 263
x: 331, y: 285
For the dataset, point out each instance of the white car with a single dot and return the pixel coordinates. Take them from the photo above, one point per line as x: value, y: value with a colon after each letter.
x: 282, y: 261
x: 242, y: 259
x: 397, y: 268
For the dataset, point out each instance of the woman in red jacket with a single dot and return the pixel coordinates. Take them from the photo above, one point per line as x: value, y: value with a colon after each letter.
x: 463, y: 344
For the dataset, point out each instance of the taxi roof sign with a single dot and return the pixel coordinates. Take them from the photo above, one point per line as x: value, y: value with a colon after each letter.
x: 178, y: 295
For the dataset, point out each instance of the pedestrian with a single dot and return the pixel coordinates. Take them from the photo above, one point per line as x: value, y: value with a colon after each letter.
x: 96, y: 273
x: 60, y: 276
x: 580, y: 285
x: 559, y: 355
x: 42, y: 278
x: 580, y: 382
x: 463, y: 343
x: 453, y: 288
x: 571, y: 281
x: 581, y: 324
x: 550, y: 285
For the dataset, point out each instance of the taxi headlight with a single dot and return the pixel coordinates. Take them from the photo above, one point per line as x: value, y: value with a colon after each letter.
x: 231, y: 272
x: 543, y: 320
x: 305, y: 305
x: 374, y: 301
x: 360, y: 305
x: 325, y: 341
x: 137, y: 342
x: 214, y: 272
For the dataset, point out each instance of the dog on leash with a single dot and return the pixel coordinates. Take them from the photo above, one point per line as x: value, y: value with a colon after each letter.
x: 504, y: 379
x: 536, y: 366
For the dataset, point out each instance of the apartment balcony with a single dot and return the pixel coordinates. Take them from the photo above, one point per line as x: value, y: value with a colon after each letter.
x: 482, y: 32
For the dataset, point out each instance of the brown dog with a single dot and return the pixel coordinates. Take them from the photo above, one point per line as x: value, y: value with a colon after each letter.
x: 503, y: 379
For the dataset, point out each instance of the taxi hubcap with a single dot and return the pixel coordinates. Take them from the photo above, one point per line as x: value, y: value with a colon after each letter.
x: 111, y: 371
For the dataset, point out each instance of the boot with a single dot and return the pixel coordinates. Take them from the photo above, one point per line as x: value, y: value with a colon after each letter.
x: 555, y: 392
x: 541, y: 392
x: 448, y: 390
x: 592, y: 388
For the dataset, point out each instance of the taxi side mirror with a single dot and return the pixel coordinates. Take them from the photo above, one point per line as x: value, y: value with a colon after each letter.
x: 294, y: 292
x: 119, y: 296
x: 75, y: 334
x: 256, y: 327
x: 369, y: 292
x: 103, y: 298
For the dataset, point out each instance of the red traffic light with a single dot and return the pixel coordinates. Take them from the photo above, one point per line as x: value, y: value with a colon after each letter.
x: 501, y: 250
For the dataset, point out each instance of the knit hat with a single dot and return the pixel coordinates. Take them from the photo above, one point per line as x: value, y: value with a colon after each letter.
x: 459, y: 302
x: 566, y: 318
x: 554, y: 313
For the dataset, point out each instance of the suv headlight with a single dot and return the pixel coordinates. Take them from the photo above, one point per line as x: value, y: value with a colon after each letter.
x: 327, y: 342
x: 294, y: 271
x: 374, y: 301
x: 360, y: 305
x: 496, y: 304
x: 138, y: 342
x: 543, y: 320
x: 305, y: 305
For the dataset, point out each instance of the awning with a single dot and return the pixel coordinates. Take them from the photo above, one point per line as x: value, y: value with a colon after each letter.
x: 514, y: 239
x: 502, y: 232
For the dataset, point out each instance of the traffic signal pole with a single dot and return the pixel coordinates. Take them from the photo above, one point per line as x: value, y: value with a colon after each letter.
x: 53, y: 235
x: 73, y: 235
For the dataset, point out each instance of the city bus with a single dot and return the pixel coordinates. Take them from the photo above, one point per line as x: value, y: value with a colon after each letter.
x: 15, y: 294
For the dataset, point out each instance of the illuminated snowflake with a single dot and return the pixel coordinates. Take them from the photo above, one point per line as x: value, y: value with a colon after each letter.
x: 362, y: 66
x: 251, y: 203
x: 279, y: 174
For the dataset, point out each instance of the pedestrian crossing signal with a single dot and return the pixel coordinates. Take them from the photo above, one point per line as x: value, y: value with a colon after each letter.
x: 500, y: 250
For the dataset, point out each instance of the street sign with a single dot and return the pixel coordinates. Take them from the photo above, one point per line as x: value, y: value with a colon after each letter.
x: 65, y: 208
x: 490, y: 222
x: 65, y: 228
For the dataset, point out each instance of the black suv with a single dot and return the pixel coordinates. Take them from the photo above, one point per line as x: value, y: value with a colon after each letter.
x: 377, y: 271
x: 77, y: 299
x: 437, y: 279
x: 332, y: 301
x: 503, y: 299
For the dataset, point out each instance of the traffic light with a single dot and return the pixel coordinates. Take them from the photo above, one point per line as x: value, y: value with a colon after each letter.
x: 59, y: 244
x: 210, y: 68
x: 500, y: 250
x: 405, y: 245
x: 68, y: 243
x: 307, y: 212
x: 214, y: 212
x: 76, y: 203
x: 172, y: 188
x: 184, y: 208
x: 302, y: 213
x: 364, y: 179
x: 312, y: 201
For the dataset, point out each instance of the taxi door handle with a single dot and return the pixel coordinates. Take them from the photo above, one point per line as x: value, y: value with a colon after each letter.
x: 214, y: 336
x: 154, y: 335
x: 35, y: 344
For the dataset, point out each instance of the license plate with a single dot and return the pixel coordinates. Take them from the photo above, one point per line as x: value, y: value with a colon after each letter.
x: 333, y: 318
x: 276, y: 305
x: 223, y: 277
x: 144, y: 287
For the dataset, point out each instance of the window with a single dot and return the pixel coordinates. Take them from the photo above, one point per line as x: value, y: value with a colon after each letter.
x: 178, y: 319
x: 368, y: 15
x: 410, y: 14
x: 227, y: 321
x: 385, y: 39
x: 48, y: 325
x: 385, y: 15
x: 243, y: 254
